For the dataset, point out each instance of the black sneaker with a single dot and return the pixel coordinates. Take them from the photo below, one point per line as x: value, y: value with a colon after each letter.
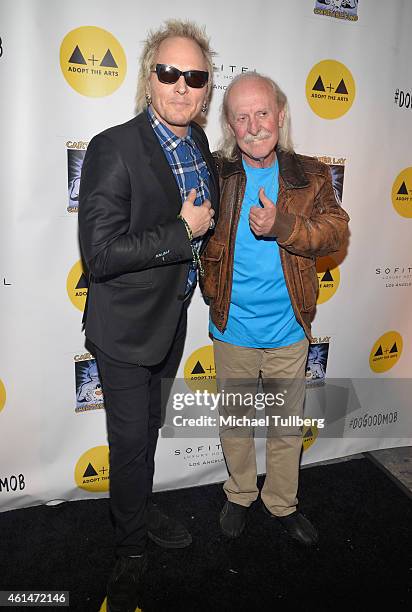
x: 165, y: 530
x: 233, y: 519
x: 125, y: 584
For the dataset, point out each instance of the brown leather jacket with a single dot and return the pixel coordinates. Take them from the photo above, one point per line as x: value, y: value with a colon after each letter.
x: 309, y: 223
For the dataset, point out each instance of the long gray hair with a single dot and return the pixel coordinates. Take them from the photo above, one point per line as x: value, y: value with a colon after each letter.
x: 228, y: 146
x: 171, y: 28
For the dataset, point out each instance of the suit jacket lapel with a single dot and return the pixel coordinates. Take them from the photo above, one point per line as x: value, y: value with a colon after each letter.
x: 160, y: 165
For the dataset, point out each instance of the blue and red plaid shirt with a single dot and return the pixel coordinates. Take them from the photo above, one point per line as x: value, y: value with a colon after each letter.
x: 190, y: 171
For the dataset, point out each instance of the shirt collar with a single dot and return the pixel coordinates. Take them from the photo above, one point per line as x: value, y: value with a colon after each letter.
x: 167, y: 138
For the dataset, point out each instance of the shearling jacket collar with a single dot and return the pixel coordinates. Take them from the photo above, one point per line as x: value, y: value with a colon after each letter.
x: 290, y: 168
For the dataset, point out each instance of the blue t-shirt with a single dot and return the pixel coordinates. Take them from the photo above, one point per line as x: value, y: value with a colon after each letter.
x: 260, y: 313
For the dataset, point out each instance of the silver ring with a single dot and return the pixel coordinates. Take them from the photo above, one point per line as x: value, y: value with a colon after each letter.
x: 212, y: 224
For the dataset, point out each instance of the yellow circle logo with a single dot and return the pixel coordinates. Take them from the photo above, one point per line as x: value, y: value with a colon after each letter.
x: 386, y: 352
x: 328, y: 277
x: 92, y: 470
x: 199, y: 371
x: 2, y: 395
x: 92, y: 61
x: 309, y: 436
x: 330, y: 89
x: 402, y: 193
x: 77, y: 286
x: 103, y: 607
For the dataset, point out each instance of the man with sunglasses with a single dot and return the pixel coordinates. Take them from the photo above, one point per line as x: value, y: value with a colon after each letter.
x: 148, y: 200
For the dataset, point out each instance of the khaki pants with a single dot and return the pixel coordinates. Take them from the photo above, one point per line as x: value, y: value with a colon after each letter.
x: 237, y: 371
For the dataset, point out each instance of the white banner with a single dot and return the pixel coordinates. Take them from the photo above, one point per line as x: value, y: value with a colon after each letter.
x: 68, y: 71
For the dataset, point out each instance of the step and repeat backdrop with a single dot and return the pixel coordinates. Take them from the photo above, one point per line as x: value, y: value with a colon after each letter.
x: 68, y: 71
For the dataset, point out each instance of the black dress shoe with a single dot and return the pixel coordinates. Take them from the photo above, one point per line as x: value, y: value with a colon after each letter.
x: 297, y: 527
x: 124, y: 588
x: 165, y: 530
x: 233, y: 519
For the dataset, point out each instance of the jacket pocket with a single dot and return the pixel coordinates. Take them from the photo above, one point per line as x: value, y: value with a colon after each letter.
x: 309, y: 282
x: 144, y: 278
x: 212, y: 261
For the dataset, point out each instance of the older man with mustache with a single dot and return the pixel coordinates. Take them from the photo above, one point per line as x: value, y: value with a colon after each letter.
x: 278, y: 212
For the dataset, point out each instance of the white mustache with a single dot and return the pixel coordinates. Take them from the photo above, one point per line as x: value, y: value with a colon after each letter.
x: 261, y: 135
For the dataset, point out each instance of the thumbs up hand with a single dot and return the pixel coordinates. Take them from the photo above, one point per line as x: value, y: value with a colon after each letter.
x: 198, y: 217
x: 261, y: 220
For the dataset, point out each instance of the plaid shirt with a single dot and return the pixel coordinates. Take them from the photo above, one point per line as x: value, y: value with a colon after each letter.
x: 190, y: 171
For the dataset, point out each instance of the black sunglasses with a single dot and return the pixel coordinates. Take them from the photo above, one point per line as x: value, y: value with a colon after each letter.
x: 169, y: 74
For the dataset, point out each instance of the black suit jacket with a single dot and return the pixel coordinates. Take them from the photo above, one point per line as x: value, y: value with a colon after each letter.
x: 136, y: 250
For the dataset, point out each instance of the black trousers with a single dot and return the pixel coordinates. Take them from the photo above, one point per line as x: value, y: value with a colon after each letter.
x: 134, y: 404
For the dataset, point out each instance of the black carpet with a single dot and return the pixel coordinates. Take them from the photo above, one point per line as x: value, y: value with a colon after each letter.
x: 363, y: 558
